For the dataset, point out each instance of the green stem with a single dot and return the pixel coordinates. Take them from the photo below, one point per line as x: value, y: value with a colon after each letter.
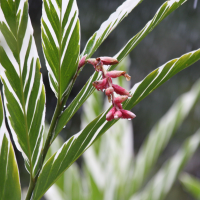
x: 57, y: 112
x: 30, y: 188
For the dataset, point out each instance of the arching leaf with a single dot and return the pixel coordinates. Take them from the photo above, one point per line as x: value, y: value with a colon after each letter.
x: 61, y: 43
x: 24, y: 94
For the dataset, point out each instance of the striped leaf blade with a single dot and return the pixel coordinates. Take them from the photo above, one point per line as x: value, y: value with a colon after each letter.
x: 61, y: 43
x: 160, y: 135
x: 108, y: 26
x: 78, y: 143
x: 9, y: 172
x: 160, y: 185
x: 191, y: 184
x: 23, y: 88
x: 88, y: 89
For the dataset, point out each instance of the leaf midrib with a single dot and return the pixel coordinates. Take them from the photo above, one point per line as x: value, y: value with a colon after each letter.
x: 60, y: 49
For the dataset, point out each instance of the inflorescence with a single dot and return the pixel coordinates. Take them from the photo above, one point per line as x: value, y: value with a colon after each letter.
x: 106, y: 85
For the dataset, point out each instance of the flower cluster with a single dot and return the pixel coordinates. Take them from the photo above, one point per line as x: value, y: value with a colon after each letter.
x: 106, y: 85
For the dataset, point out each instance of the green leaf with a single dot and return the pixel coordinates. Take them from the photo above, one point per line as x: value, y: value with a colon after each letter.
x: 191, y: 184
x: 61, y: 43
x: 160, y: 135
x: 166, y: 8
x: 9, y: 173
x: 24, y: 94
x: 161, y: 183
x: 88, y: 89
x: 108, y: 26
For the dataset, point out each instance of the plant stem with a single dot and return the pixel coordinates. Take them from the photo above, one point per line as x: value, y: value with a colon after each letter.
x: 47, y: 144
x: 30, y: 188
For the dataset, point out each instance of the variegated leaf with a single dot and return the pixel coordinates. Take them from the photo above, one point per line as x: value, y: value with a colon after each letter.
x: 108, y: 26
x: 24, y: 93
x: 61, y: 43
x: 88, y: 89
x: 9, y: 173
x: 191, y: 184
x: 78, y: 143
x: 160, y: 135
x: 160, y: 185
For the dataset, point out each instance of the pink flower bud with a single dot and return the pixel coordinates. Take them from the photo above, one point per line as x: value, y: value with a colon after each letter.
x: 101, y: 84
x: 126, y: 114
x: 120, y: 90
x: 108, y: 60
x: 110, y: 114
x: 115, y: 74
x: 117, y: 114
x: 120, y: 99
x: 92, y: 61
x: 82, y: 61
x: 109, y: 91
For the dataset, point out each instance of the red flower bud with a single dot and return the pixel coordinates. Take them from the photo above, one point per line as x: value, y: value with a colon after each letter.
x: 117, y: 114
x: 126, y: 114
x: 108, y: 60
x: 109, y: 91
x: 120, y: 90
x: 110, y: 114
x: 82, y: 61
x: 101, y: 84
x: 120, y: 99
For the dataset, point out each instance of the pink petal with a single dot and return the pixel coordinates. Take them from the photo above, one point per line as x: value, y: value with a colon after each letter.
x: 110, y: 114
x: 120, y: 99
x: 109, y: 91
x: 117, y: 114
x: 126, y: 114
x: 120, y: 90
x: 108, y: 60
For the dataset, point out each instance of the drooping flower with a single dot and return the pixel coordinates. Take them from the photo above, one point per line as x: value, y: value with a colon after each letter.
x: 109, y: 91
x: 106, y: 84
x: 120, y: 99
x: 110, y: 114
x: 101, y: 84
x: 118, y: 114
x: 108, y: 60
x: 120, y: 90
x: 126, y: 114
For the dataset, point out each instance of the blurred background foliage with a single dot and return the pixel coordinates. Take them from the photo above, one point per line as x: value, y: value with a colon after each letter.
x: 176, y: 35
